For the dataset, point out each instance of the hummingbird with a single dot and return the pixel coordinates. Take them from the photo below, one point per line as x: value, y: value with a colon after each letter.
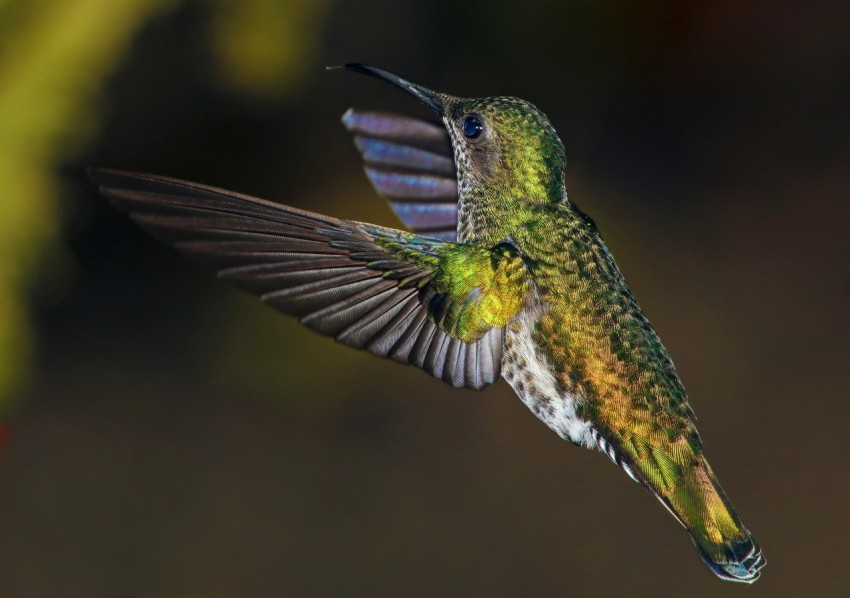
x: 499, y: 275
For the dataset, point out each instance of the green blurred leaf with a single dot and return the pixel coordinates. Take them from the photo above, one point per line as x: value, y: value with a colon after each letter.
x: 55, y: 57
x: 265, y: 46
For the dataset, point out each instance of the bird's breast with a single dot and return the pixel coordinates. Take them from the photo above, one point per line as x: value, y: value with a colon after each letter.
x: 530, y: 374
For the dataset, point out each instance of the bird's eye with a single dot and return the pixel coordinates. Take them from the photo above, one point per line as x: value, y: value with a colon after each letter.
x: 472, y: 127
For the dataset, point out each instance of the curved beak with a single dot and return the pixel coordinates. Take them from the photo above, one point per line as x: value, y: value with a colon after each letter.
x: 432, y: 99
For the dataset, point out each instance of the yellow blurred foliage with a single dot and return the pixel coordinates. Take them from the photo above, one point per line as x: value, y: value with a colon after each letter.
x: 54, y: 59
x: 264, y: 45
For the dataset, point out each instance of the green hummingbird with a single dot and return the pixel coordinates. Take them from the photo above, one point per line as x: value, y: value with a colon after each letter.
x: 502, y: 275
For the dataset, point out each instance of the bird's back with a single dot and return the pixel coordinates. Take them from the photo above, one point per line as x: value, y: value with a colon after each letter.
x: 586, y: 360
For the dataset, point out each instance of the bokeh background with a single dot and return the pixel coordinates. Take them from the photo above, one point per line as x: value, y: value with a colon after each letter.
x: 165, y: 433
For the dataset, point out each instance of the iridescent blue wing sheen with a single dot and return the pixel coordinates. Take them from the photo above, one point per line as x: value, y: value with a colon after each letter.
x: 410, y: 162
x: 368, y: 287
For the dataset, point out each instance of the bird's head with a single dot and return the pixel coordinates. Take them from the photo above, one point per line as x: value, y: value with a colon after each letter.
x: 504, y: 147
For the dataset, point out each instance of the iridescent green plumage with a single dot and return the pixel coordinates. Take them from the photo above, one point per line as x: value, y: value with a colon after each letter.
x: 588, y: 336
x: 519, y: 283
x: 476, y: 288
x: 604, y: 353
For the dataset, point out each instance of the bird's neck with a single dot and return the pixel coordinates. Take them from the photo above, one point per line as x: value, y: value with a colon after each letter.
x: 491, y: 213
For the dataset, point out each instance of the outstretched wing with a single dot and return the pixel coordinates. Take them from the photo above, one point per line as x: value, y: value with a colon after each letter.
x: 410, y: 162
x: 439, y: 305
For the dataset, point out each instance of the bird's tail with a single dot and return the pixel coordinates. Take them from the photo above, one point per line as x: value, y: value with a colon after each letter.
x: 700, y: 504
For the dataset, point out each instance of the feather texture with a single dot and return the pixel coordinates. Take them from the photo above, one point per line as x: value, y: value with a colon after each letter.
x: 410, y: 162
x: 368, y: 287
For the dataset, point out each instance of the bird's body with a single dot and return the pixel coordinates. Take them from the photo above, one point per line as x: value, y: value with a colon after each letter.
x: 584, y: 358
x: 507, y: 277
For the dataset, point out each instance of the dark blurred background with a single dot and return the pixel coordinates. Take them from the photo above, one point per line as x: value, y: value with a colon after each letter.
x: 165, y: 433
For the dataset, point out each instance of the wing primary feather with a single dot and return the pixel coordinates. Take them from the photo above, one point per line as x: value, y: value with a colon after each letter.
x: 401, y: 129
x: 304, y: 303
x: 451, y: 363
x: 362, y: 332
x: 315, y: 264
x: 367, y: 286
x: 336, y: 317
x: 341, y: 281
x: 389, y: 154
x: 386, y: 338
x: 419, y: 351
x: 435, y: 358
x: 473, y: 366
x: 403, y: 348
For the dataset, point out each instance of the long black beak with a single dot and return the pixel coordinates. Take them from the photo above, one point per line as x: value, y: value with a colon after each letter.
x: 432, y: 99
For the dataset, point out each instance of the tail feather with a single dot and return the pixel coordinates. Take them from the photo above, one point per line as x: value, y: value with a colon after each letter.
x: 677, y: 474
x: 742, y: 560
x: 701, y: 506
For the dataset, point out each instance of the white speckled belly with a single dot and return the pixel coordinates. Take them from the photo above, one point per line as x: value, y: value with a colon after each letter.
x: 529, y: 374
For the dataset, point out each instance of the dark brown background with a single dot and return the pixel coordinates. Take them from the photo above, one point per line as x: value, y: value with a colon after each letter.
x: 179, y: 437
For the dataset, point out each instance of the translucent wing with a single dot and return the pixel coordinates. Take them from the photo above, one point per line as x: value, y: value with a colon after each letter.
x: 410, y: 162
x: 438, y: 305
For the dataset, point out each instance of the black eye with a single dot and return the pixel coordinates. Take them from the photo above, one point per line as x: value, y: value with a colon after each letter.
x: 472, y: 127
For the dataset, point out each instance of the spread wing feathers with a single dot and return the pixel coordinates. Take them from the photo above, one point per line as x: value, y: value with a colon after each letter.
x: 441, y: 306
x: 410, y: 162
